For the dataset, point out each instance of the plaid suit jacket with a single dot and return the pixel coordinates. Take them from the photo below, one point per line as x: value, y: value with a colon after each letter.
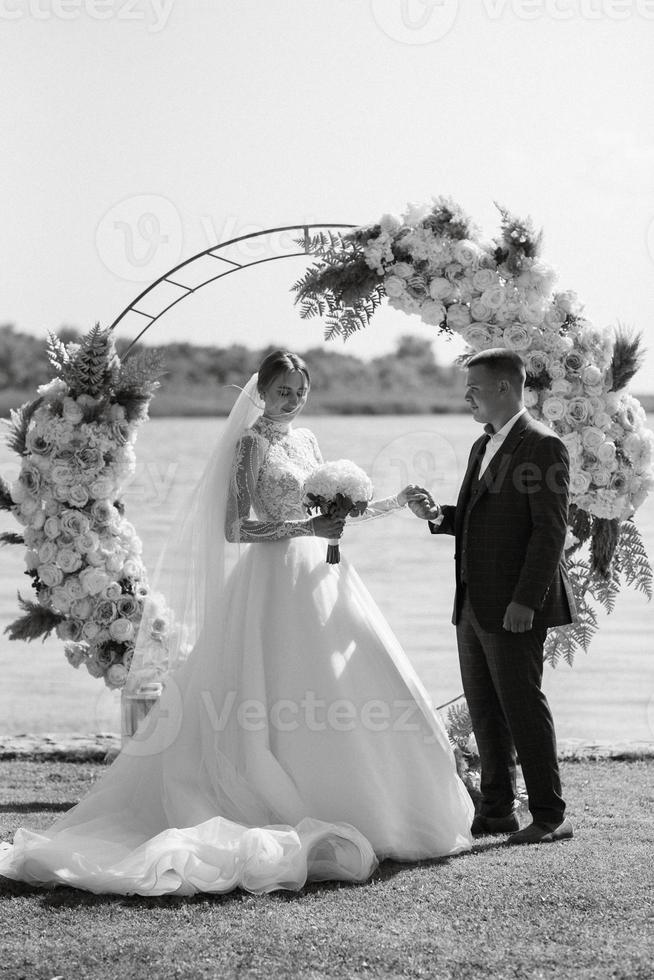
x: 510, y: 529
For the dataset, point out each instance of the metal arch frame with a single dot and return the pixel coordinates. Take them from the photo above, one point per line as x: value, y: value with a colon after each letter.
x: 234, y: 267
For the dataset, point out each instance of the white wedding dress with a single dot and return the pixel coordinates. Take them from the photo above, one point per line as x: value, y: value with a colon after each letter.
x: 304, y: 748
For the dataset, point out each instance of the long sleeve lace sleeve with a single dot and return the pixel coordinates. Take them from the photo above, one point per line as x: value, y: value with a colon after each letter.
x: 239, y: 525
x: 379, y: 508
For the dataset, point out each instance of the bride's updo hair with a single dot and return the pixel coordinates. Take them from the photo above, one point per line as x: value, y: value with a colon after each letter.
x: 276, y: 363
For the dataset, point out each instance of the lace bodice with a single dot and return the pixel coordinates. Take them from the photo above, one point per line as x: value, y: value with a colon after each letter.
x: 271, y: 463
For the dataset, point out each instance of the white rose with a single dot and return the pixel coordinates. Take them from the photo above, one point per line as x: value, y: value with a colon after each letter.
x: 75, y: 654
x: 69, y: 629
x: 394, y: 286
x: 553, y: 409
x: 483, y: 279
x: 93, y: 580
x: 50, y: 575
x: 480, y: 311
x: 61, y: 474
x: 78, y: 495
x: 29, y: 508
x: 592, y: 437
x: 68, y: 560
x: 516, y: 337
x: 72, y: 412
x: 88, y: 541
x: 47, y: 552
x: 577, y: 409
x: 101, y: 488
x: 557, y: 371
x: 606, y: 454
x: 60, y: 599
x: 602, y: 420
x: 81, y: 608
x: 112, y: 591
x: 402, y: 269
x: 601, y: 476
x: 632, y: 445
x: 579, y: 481
x: 74, y: 588
x: 116, y: 676
x: 90, y: 630
x: 440, y: 288
x: 537, y: 361
x: 458, y: 316
x: 51, y: 527
x: 94, y: 668
x: 121, y: 629
x: 432, y: 312
x: 493, y: 297
x: 561, y: 387
x: 477, y: 335
x: 530, y: 397
x: 591, y: 376
x: 467, y: 253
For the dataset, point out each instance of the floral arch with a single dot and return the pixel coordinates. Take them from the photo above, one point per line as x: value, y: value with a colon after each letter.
x: 76, y: 438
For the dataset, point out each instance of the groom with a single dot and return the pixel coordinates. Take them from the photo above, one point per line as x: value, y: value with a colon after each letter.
x: 509, y: 524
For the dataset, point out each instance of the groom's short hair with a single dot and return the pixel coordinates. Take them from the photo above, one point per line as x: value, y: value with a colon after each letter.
x: 503, y: 363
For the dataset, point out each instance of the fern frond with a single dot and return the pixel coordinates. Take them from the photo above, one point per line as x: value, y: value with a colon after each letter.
x: 57, y: 353
x: 628, y: 357
x: 10, y: 537
x: 6, y: 503
x: 37, y: 621
x: 459, y: 724
x: 631, y: 561
x: 20, y: 419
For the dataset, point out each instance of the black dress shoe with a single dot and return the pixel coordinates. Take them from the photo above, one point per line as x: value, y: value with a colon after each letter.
x: 494, y: 825
x: 539, y: 833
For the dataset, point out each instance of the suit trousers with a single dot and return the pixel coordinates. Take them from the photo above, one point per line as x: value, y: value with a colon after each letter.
x: 502, y: 675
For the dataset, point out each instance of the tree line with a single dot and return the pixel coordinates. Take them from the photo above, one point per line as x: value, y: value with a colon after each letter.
x: 196, y: 378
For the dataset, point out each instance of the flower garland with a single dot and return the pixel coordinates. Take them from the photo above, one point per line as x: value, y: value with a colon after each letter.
x: 76, y: 443
x: 432, y: 262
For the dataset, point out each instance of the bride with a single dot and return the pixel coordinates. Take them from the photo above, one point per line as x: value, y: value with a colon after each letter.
x: 294, y: 741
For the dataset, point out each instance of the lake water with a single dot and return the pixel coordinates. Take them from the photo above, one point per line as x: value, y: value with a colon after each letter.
x: 608, y: 694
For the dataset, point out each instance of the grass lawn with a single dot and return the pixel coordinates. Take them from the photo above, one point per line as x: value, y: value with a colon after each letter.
x: 575, y: 909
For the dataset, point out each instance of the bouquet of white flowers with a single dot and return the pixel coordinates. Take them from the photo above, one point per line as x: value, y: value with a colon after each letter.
x: 337, y: 489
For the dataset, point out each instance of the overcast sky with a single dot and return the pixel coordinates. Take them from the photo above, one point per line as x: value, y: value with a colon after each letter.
x: 139, y: 132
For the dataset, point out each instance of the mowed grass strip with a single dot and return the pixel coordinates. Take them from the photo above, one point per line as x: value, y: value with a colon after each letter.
x: 576, y: 909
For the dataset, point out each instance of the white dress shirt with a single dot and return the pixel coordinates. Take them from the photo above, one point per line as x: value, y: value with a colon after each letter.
x: 492, y: 446
x: 496, y: 440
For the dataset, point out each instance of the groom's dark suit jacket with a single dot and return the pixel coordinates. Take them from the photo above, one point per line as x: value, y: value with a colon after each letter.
x: 510, y: 529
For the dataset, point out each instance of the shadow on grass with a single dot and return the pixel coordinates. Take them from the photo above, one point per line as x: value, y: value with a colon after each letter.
x: 35, y: 806
x: 62, y: 896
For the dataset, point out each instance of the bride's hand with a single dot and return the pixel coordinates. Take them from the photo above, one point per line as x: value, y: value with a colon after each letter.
x: 411, y: 493
x: 420, y: 501
x: 328, y: 527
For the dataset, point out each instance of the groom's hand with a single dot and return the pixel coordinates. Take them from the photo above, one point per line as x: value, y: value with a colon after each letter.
x: 421, y: 503
x: 517, y: 618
